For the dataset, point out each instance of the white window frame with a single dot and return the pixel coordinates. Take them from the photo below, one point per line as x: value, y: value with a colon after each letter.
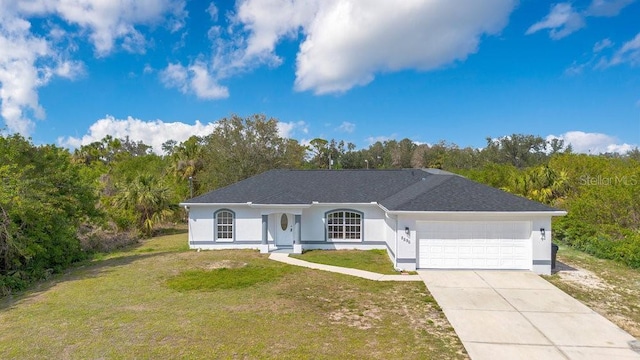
x: 225, y: 227
x: 348, y: 223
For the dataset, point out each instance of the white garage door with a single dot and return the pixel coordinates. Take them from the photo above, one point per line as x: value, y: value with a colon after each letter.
x: 474, y: 245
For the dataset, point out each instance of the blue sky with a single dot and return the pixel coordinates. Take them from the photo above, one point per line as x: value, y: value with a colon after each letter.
x: 360, y: 71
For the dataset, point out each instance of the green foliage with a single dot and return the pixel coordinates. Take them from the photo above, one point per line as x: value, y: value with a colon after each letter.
x: 109, y: 150
x: 521, y: 150
x: 239, y: 148
x: 496, y: 175
x: 146, y: 197
x: 43, y: 200
x: 603, y: 205
x: 612, y: 243
x: 185, y: 164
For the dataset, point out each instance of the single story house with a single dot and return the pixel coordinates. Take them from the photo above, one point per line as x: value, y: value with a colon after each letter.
x: 423, y: 218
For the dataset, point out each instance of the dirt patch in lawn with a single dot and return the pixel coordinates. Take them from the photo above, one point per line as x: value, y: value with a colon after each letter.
x: 581, y: 277
x: 222, y: 264
x: 609, y: 288
x: 361, y: 319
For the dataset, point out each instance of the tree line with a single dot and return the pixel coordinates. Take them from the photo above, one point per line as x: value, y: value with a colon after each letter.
x: 59, y: 207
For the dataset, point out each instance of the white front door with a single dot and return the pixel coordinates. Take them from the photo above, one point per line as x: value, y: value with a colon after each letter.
x: 284, y: 230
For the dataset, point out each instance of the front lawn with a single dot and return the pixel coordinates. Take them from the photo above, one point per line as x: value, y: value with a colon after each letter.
x: 162, y: 301
x: 370, y: 260
x: 608, y: 287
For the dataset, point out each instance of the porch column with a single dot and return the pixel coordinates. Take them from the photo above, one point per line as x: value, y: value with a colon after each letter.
x: 297, y: 230
x: 265, y: 229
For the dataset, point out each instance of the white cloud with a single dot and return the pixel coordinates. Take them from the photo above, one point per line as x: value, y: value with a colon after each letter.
x: 593, y: 143
x: 212, y: 10
x: 348, y: 42
x: 575, y: 69
x: 148, y: 69
x: 374, y: 139
x: 564, y: 19
x: 267, y: 22
x: 607, y: 7
x: 20, y: 76
x: 561, y: 21
x: 196, y: 79
x: 176, y: 76
x: 346, y: 127
x: 287, y: 129
x: 345, y: 43
x: 110, y: 21
x: 602, y: 44
x: 628, y: 53
x: 153, y: 133
x: 204, y: 85
x: 30, y: 59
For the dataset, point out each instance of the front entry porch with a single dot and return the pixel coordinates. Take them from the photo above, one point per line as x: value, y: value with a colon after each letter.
x: 286, y: 235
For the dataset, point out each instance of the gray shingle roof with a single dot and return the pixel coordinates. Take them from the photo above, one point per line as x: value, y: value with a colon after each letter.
x: 396, y: 190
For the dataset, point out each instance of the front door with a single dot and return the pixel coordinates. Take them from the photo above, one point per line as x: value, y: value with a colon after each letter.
x: 284, y: 233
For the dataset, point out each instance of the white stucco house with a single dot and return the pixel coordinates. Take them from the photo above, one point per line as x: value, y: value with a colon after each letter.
x: 423, y: 218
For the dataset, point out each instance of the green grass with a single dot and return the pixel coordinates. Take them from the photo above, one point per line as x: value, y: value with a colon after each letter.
x: 225, y: 278
x: 370, y: 260
x: 161, y: 301
x: 608, y: 287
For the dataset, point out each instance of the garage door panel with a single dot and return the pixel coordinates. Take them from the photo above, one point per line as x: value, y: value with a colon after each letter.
x: 479, y: 250
x: 462, y: 250
x: 489, y: 262
x: 463, y: 263
x: 474, y: 245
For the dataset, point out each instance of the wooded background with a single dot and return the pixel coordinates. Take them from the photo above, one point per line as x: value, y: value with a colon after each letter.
x: 59, y: 207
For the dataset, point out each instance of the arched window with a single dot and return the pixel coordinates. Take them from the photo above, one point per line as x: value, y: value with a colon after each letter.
x: 225, y: 225
x: 344, y: 225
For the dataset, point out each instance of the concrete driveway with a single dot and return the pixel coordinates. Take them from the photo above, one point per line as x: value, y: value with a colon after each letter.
x: 519, y: 315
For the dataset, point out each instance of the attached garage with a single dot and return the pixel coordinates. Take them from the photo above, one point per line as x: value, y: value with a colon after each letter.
x: 474, y: 244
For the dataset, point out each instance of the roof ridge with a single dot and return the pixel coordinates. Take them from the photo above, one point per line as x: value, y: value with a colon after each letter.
x: 420, y: 182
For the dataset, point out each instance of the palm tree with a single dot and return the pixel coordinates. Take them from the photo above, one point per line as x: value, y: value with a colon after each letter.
x: 149, y: 198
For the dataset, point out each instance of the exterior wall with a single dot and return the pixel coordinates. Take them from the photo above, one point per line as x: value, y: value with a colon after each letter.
x: 247, y: 224
x: 541, y: 247
x: 390, y: 238
x: 407, y: 243
x: 248, y: 227
x: 314, y: 231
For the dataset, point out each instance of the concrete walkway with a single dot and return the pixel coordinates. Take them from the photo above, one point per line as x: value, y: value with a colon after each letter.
x: 519, y: 315
x: 283, y: 257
